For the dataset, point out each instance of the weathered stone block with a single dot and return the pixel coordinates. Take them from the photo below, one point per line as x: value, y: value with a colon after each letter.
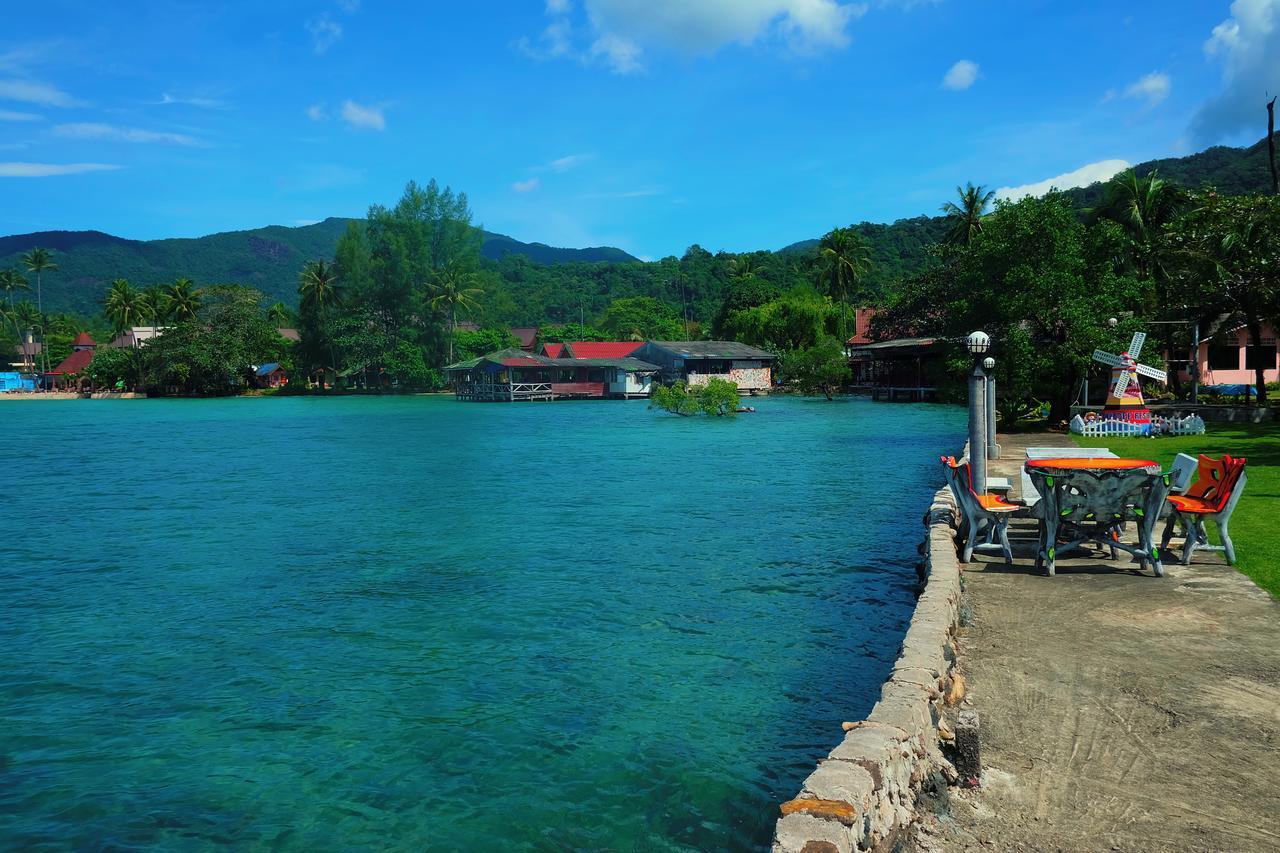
x: 841, y: 781
x: 796, y: 832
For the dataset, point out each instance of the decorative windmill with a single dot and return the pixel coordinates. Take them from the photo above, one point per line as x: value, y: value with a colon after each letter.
x: 1125, y: 401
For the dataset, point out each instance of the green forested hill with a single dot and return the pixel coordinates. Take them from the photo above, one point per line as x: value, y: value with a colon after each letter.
x: 268, y: 259
x: 540, y: 283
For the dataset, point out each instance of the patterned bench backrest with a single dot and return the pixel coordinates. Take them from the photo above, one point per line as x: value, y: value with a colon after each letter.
x: 1216, y: 479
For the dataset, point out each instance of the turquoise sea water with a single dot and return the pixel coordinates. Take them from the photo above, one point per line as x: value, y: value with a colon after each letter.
x: 412, y: 623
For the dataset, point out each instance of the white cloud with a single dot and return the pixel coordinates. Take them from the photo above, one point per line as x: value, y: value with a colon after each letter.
x: 1082, y: 177
x: 362, y: 115
x: 31, y: 92
x: 1153, y: 88
x: 44, y: 170
x: 316, y: 112
x: 325, y: 32
x: 1248, y: 47
x: 204, y: 103
x: 95, y: 130
x: 617, y: 33
x: 349, y: 6
x: 10, y: 115
x: 961, y: 76
x: 526, y: 186
x: 564, y: 164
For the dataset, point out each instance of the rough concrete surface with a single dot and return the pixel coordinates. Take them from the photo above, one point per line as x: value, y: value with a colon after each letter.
x: 1119, y: 711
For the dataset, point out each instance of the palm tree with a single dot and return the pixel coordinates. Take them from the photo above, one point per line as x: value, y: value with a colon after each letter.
x: 27, y: 316
x: 183, y: 300
x: 966, y: 217
x: 844, y: 257
x: 280, y: 314
x: 453, y: 289
x: 125, y: 306
x: 11, y: 280
x: 318, y: 285
x: 37, y: 261
x: 1142, y: 206
x: 157, y: 296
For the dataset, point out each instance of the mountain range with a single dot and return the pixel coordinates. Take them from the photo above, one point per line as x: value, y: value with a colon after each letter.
x: 270, y: 258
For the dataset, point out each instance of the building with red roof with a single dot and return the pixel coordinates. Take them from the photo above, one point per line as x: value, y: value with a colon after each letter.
x: 601, y: 349
x: 74, y: 364
x: 553, y: 350
x: 527, y: 336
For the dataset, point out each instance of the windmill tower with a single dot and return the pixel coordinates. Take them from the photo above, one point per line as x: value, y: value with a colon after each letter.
x: 1124, y: 402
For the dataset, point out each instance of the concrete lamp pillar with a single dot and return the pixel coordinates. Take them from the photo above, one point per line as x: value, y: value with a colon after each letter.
x: 993, y: 449
x: 978, y: 343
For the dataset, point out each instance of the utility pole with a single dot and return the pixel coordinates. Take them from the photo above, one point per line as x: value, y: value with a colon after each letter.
x: 1271, y: 145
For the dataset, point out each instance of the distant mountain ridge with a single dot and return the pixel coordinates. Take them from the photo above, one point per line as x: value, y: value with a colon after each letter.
x: 268, y: 259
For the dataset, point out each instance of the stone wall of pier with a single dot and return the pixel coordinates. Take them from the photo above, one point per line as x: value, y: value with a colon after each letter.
x: 863, y: 795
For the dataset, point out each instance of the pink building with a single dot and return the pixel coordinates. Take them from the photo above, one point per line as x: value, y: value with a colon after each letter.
x: 1227, y: 358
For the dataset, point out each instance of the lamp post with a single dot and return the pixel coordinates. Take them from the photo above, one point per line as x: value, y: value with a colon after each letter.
x: 993, y: 449
x: 978, y: 343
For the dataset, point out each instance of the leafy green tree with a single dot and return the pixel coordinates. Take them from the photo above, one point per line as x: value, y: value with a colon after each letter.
x: 115, y: 366
x: 1143, y: 207
x: 796, y: 320
x: 719, y: 397
x: 405, y: 363
x: 280, y: 314
x: 844, y: 257
x: 822, y: 369
x: 641, y: 318
x: 214, y: 354
x: 558, y: 333
x: 1227, y: 255
x: 468, y: 345
x: 965, y: 218
x: 157, y: 297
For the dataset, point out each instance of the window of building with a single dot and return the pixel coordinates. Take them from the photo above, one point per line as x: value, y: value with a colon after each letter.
x: 1224, y: 357
x: 1263, y: 356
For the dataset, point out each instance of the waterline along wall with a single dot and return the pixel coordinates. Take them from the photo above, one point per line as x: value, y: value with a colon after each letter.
x: 864, y: 793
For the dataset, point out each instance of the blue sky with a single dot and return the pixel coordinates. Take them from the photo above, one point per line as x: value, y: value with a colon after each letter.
x: 645, y: 124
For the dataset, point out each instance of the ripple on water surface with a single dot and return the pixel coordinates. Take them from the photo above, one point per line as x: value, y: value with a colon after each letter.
x: 309, y: 623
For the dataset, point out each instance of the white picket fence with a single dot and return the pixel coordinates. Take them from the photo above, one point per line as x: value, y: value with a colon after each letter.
x: 1104, y: 427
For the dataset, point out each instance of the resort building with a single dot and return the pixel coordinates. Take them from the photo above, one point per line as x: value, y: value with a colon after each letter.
x: 136, y: 336
x: 27, y: 356
x: 1227, y: 357
x: 512, y: 374
x: 697, y: 362
x: 527, y: 336
x: 70, y: 372
x: 894, y: 369
x: 270, y: 375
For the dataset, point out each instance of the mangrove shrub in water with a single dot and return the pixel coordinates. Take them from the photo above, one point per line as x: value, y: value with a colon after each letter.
x: 718, y: 397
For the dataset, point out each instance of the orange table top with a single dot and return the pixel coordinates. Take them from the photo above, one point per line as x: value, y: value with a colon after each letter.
x: 1094, y: 463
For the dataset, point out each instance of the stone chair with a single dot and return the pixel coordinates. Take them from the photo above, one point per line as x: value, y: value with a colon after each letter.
x: 985, y: 515
x: 1093, y: 506
x: 1212, y: 497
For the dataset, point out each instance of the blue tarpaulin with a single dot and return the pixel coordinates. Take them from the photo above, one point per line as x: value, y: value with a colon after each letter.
x: 1232, y: 390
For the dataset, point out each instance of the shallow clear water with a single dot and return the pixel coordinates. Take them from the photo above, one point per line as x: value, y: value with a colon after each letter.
x: 421, y: 624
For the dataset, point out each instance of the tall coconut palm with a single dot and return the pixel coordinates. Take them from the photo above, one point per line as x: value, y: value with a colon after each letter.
x: 12, y: 280
x: 454, y: 288
x: 966, y: 217
x: 844, y: 258
x: 1143, y: 207
x: 125, y: 306
x: 184, y: 302
x: 318, y: 285
x: 37, y: 261
x: 280, y: 314
x: 27, y: 316
x: 157, y: 296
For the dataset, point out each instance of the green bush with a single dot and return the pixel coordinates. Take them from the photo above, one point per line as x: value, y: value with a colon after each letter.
x: 718, y: 397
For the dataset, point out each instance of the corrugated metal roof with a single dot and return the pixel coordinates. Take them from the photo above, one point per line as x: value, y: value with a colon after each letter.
x: 631, y: 365
x: 714, y: 349
x: 268, y: 368
x: 553, y: 350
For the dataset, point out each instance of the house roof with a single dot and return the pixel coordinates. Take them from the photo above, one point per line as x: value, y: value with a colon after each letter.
x: 602, y: 349
x: 28, y: 348
x: 74, y: 363
x: 630, y: 365
x: 713, y: 349
x: 552, y: 350
x: 83, y: 340
x: 527, y: 335
x: 289, y: 334
x: 268, y: 368
x: 902, y: 344
x: 862, y: 318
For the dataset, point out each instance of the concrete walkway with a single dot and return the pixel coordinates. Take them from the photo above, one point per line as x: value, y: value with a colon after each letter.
x: 1119, y: 711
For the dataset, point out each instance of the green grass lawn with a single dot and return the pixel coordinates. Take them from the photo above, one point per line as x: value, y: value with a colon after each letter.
x: 1253, y: 526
